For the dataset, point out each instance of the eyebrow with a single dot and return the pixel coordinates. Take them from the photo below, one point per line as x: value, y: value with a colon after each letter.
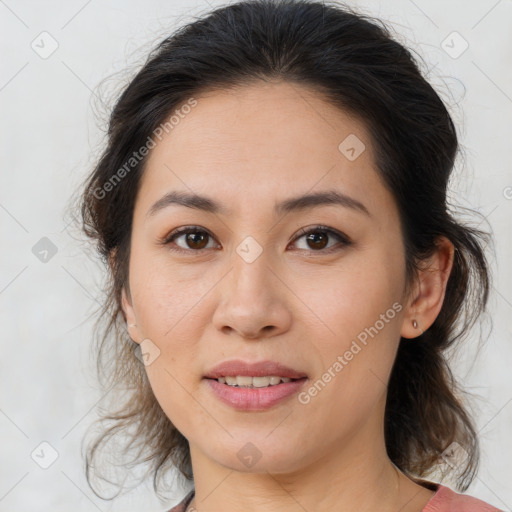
x: 299, y: 203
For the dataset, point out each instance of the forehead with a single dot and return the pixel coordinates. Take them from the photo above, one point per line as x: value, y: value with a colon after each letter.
x: 260, y: 143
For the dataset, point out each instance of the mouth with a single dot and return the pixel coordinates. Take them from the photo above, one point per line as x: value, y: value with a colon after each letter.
x: 251, y: 394
x: 244, y: 381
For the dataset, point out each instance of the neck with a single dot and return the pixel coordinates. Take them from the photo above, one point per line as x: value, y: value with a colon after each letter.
x: 355, y: 476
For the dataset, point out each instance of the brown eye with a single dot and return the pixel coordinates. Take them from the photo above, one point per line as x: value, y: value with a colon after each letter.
x: 192, y: 239
x: 196, y: 240
x: 319, y: 238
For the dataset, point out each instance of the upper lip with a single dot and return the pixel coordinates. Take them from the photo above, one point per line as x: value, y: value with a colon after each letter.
x: 235, y: 367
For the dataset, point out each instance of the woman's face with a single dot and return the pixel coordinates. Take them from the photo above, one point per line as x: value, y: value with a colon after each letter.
x: 254, y: 287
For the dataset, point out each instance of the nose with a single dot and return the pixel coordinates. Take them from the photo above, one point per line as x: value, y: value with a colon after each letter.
x: 253, y: 301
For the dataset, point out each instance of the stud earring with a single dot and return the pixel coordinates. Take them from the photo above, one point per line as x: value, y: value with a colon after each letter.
x: 416, y: 326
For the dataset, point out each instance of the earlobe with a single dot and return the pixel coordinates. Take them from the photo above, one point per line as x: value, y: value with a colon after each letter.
x: 427, y: 299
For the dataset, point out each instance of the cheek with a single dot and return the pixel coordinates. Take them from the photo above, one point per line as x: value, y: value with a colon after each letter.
x: 174, y: 393
x: 169, y: 296
x: 352, y: 298
x: 360, y: 311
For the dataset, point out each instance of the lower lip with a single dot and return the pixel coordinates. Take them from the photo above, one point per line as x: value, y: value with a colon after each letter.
x: 255, y: 399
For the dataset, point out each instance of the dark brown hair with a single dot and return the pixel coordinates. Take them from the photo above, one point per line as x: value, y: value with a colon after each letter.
x: 353, y: 61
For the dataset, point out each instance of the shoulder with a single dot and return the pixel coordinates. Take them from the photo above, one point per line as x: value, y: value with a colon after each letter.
x: 447, y: 500
x: 183, y: 504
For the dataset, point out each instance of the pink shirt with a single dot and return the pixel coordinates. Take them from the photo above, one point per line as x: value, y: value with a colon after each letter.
x: 444, y: 500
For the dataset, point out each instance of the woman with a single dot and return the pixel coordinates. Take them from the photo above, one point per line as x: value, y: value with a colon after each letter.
x: 272, y: 206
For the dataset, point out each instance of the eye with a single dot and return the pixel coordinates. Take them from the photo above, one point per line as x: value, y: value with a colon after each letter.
x: 195, y: 239
x: 319, y: 237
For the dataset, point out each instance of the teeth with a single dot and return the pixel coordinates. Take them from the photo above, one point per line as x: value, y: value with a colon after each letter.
x: 252, y: 382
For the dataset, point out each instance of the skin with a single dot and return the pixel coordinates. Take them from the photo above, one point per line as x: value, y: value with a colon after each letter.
x: 249, y: 148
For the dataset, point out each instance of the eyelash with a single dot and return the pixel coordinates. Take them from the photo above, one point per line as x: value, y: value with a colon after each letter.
x: 342, y: 238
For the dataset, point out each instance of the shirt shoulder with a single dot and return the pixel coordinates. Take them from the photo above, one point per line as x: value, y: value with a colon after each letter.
x: 183, y: 504
x: 447, y: 500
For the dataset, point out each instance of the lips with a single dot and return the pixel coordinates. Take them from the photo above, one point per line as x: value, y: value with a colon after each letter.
x: 254, y: 399
x: 236, y: 367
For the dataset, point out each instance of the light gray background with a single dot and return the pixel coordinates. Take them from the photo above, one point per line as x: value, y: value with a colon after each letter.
x: 49, y: 141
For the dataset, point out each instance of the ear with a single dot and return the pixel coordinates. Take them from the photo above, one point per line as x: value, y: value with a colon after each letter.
x: 126, y: 302
x: 426, y: 300
x: 129, y: 314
